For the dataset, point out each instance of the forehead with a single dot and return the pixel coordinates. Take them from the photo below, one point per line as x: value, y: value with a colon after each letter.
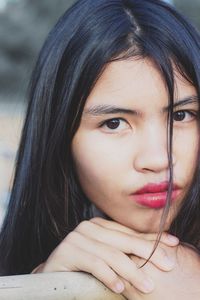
x: 135, y: 81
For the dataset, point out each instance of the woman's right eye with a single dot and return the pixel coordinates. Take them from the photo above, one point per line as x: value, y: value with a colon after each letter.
x: 116, y: 124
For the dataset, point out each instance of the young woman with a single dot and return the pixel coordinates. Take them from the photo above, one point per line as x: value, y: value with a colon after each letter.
x: 112, y: 131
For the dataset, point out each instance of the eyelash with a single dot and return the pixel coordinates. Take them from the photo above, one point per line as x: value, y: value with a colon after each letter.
x: 193, y: 114
x: 104, y: 123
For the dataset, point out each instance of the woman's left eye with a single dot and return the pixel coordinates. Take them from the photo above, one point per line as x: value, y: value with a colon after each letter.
x: 116, y: 124
x: 184, y: 115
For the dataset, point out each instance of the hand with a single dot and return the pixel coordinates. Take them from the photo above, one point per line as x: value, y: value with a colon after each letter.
x: 101, y: 247
x: 181, y: 283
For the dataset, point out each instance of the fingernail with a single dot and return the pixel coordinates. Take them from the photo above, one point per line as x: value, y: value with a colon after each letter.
x: 173, y: 238
x: 148, y: 286
x: 119, y: 287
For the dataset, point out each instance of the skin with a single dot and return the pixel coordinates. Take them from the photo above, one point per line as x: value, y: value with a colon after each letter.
x: 181, y: 283
x: 114, y: 163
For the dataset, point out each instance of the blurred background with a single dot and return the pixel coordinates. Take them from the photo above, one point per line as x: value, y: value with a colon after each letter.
x: 24, y: 24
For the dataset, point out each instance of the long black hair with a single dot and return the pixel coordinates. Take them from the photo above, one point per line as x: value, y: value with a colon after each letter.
x: 47, y: 201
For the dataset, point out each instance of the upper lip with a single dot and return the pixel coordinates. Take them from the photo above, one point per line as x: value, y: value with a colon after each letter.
x: 155, y: 188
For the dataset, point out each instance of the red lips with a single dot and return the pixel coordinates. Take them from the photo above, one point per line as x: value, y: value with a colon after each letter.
x: 155, y: 195
x: 155, y: 188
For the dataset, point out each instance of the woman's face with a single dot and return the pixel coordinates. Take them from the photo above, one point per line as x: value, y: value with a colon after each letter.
x: 120, y: 148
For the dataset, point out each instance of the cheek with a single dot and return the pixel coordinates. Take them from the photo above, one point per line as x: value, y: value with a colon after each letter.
x: 95, y: 161
x: 186, y: 152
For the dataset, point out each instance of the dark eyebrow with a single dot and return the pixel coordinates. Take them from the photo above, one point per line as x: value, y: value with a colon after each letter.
x: 98, y: 110
x: 184, y: 101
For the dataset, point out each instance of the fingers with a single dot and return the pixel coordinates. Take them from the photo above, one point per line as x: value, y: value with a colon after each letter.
x: 102, y: 248
x: 69, y: 258
x: 130, y: 292
x: 126, y: 243
x: 99, y: 269
x: 113, y: 225
x: 78, y: 253
x: 105, y: 258
x: 166, y: 238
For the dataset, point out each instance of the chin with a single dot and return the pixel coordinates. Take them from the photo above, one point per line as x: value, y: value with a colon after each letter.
x: 148, y: 227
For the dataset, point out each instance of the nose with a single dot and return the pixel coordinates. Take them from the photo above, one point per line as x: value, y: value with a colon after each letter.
x: 152, y: 153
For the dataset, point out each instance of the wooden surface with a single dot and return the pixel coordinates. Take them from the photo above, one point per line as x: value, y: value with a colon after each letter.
x: 55, y: 286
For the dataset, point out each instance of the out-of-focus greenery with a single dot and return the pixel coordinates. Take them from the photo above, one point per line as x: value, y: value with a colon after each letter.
x: 23, y: 28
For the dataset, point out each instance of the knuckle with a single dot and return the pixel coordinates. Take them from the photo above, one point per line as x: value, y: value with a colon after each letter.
x: 97, y: 220
x: 133, y: 241
x: 115, y: 255
x: 71, y: 237
x: 97, y: 264
x: 83, y: 226
x: 94, y: 219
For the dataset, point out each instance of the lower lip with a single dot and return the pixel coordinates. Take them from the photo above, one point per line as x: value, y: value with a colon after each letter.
x: 154, y: 200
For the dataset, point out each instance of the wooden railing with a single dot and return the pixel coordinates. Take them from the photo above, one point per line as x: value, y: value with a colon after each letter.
x: 55, y: 286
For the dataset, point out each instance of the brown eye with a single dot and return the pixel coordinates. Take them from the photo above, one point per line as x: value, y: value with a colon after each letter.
x: 184, y: 115
x: 113, y: 124
x: 179, y: 116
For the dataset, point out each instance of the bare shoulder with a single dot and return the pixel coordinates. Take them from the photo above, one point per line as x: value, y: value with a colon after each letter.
x: 188, y: 259
x: 180, y: 283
